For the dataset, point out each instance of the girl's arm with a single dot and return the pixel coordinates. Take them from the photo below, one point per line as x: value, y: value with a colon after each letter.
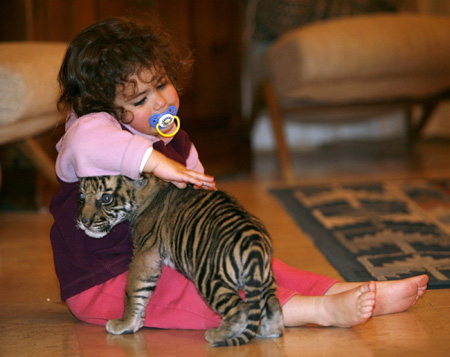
x: 172, y: 171
x: 96, y: 145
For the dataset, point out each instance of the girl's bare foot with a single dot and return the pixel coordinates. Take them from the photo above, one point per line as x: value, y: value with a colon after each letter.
x: 350, y: 308
x: 399, y: 295
x: 392, y: 296
x: 345, y: 309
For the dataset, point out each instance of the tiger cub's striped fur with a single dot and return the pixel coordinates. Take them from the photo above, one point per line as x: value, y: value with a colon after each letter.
x: 206, y: 235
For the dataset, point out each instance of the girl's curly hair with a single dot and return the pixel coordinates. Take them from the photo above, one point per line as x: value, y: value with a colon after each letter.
x: 106, y: 54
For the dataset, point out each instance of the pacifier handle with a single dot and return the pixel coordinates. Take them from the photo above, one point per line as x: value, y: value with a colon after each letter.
x: 171, y: 134
x: 165, y: 119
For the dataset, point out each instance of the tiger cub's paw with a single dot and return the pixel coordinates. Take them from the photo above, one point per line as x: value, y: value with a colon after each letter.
x: 121, y: 327
x: 271, y: 328
x: 215, y: 335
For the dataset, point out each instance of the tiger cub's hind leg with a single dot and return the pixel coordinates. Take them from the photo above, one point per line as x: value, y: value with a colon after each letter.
x: 272, y: 325
x: 271, y: 319
x: 145, y: 270
x: 234, y: 312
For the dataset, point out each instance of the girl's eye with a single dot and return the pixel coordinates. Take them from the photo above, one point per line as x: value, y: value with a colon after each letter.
x: 161, y: 86
x: 139, y: 103
x: 106, y: 198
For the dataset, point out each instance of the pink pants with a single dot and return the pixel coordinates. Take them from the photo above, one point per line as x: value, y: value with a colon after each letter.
x: 176, y: 303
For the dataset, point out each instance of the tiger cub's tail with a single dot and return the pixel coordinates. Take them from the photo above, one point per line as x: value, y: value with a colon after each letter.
x: 260, y: 314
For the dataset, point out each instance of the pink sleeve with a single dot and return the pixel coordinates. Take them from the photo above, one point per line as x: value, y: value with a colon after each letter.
x: 193, y: 162
x: 96, y: 145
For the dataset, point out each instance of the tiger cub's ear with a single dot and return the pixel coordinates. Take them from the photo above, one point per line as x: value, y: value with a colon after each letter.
x: 140, y: 182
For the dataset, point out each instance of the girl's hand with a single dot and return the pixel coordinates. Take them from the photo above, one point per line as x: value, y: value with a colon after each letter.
x: 172, y: 171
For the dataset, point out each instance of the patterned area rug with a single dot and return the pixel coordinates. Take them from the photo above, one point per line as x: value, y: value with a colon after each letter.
x: 377, y: 230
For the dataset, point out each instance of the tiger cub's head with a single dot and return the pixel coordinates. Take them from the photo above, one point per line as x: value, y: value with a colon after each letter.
x: 105, y: 201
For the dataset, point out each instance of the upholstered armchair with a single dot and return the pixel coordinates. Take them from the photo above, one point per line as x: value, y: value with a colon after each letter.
x: 353, y: 68
x: 28, y: 93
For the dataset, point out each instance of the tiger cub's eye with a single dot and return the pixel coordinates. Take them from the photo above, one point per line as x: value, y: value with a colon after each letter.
x: 106, y: 198
x: 81, y: 196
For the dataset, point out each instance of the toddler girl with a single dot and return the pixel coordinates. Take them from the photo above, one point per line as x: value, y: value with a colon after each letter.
x: 115, y: 75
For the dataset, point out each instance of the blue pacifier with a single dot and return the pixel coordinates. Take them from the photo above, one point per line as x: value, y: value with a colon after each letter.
x: 163, y: 120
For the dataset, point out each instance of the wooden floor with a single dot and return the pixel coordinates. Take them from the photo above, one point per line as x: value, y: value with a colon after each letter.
x: 34, y: 322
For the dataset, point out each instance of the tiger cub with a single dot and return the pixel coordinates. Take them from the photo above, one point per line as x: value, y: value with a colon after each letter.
x: 206, y: 235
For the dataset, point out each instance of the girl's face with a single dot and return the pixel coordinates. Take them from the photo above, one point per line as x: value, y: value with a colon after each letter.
x: 148, y: 97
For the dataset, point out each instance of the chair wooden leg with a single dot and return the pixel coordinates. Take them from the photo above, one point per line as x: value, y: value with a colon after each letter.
x: 427, y: 112
x: 277, y: 122
x: 258, y: 104
x: 31, y: 149
x: 409, y: 129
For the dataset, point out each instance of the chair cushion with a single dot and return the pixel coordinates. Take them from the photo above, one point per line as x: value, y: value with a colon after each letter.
x: 28, y: 79
x: 362, y: 58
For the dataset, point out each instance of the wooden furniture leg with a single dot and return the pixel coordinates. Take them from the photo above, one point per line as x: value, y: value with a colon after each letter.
x: 33, y: 151
x: 277, y: 122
